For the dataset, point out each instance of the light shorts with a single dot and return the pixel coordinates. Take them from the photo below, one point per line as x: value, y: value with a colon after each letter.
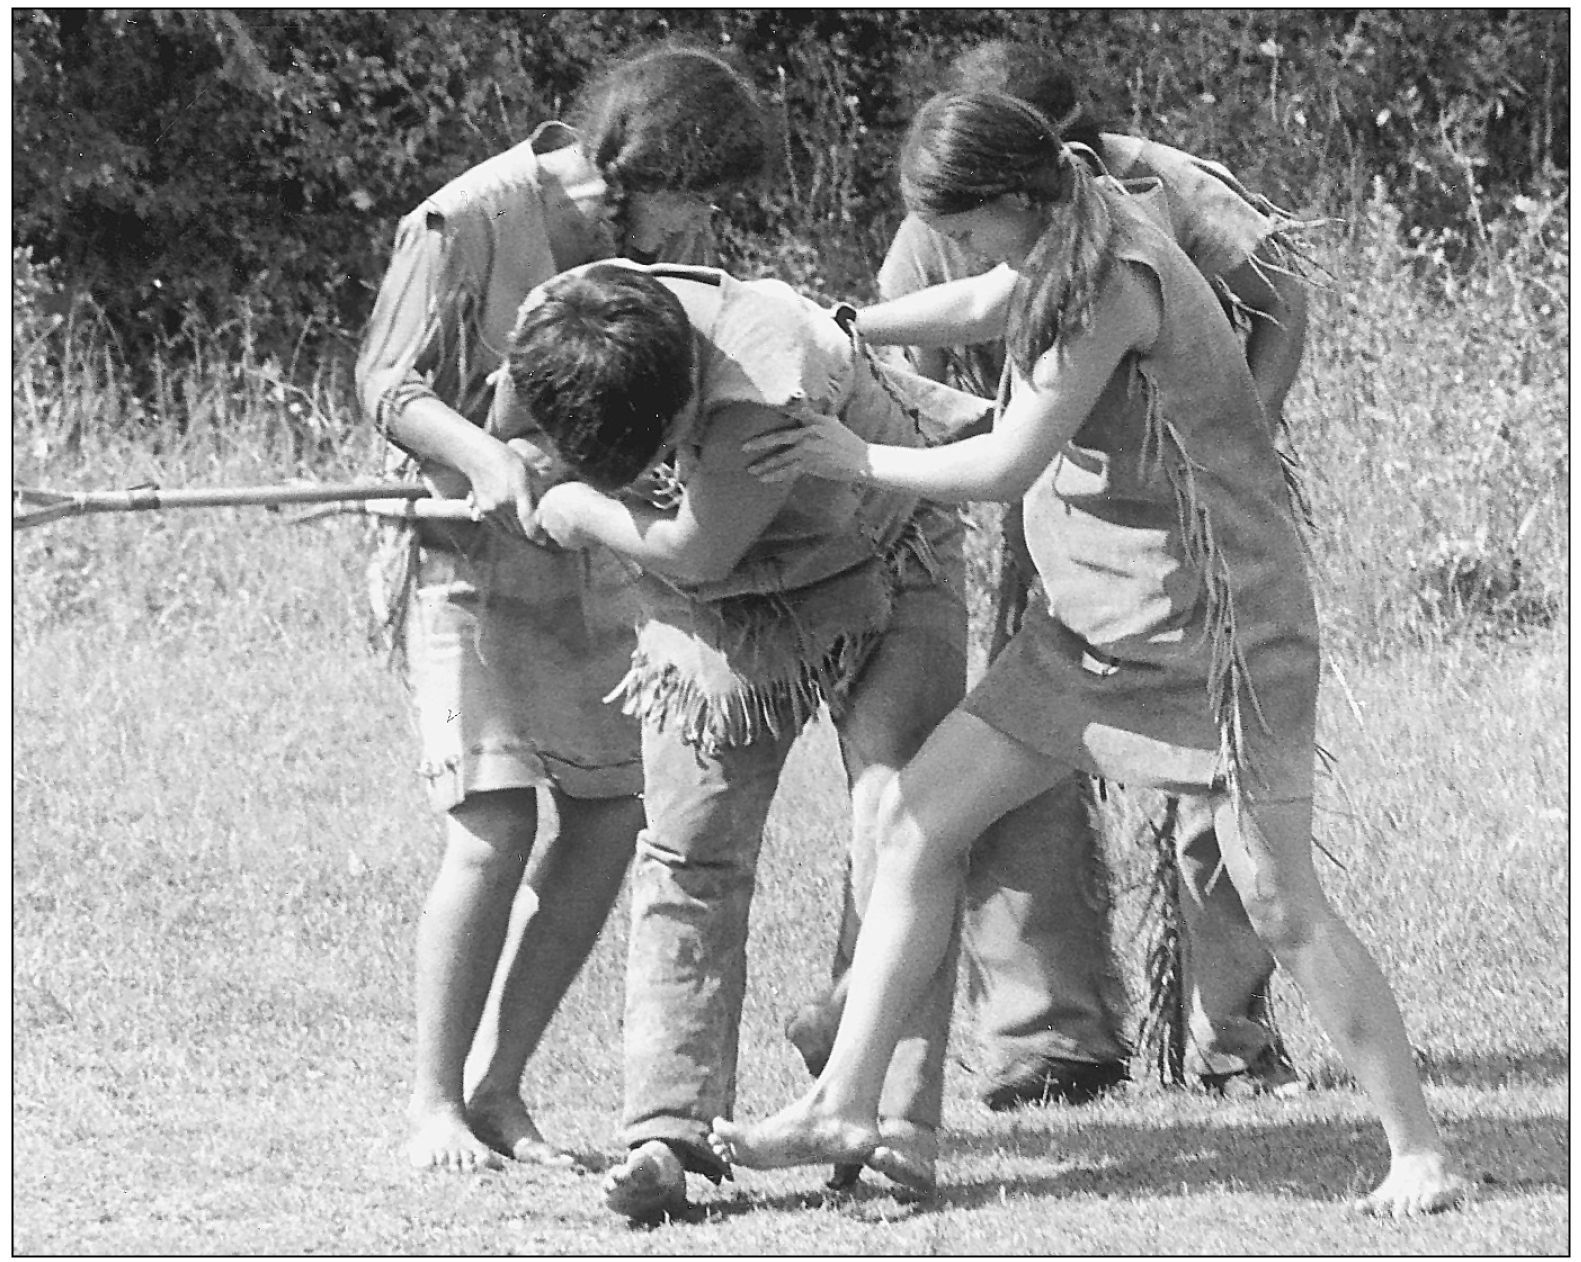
x: 510, y: 654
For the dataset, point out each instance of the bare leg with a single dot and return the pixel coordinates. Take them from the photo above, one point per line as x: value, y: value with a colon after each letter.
x: 463, y: 926
x: 1268, y: 852
x: 915, y: 678
x: 577, y: 878
x: 930, y: 818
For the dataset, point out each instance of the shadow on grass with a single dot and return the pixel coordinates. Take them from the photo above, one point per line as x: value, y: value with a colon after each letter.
x: 1549, y: 1065
x: 1321, y: 1161
x: 1543, y: 1067
x: 1331, y: 1162
x: 866, y: 1201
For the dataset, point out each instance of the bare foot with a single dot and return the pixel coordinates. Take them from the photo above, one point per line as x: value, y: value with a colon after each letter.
x: 648, y: 1184
x: 1422, y: 1184
x: 907, y: 1155
x: 504, y: 1124
x: 795, y: 1136
x: 441, y: 1140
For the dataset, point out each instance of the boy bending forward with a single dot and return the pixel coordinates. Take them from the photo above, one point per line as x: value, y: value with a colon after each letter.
x: 760, y: 602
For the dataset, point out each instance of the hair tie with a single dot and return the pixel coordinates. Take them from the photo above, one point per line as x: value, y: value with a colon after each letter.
x: 1067, y: 156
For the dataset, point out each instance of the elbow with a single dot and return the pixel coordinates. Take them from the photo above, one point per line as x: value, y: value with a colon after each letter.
x: 1285, y: 306
x: 982, y: 326
x: 1292, y: 305
x: 693, y: 562
x: 710, y: 564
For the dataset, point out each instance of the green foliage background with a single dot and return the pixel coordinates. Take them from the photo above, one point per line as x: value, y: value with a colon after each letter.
x: 192, y: 167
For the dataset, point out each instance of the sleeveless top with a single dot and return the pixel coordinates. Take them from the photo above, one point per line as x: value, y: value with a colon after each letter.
x: 1212, y: 216
x: 1163, y: 531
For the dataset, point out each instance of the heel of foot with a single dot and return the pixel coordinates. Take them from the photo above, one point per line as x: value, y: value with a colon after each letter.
x: 649, y: 1184
x: 911, y: 1173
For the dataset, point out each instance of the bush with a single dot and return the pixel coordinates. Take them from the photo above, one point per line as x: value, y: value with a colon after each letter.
x: 184, y: 165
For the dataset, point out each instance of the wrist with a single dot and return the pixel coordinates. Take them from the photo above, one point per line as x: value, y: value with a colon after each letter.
x: 477, y: 454
x: 863, y: 473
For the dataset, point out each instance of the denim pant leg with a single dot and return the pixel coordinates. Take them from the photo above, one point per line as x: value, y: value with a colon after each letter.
x: 1227, y: 967
x: 691, y: 892
x: 1041, y: 972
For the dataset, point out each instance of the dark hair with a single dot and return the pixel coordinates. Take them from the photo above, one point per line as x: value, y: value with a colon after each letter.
x: 1038, y: 75
x: 603, y: 364
x: 674, y: 119
x: 967, y: 149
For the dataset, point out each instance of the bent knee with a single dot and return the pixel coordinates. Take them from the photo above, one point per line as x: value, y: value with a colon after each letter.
x: 901, y: 836
x: 1285, y: 918
x: 700, y: 862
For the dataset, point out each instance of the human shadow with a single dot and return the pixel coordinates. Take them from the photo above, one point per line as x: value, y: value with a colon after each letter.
x: 867, y: 1200
x: 1307, y: 1160
x: 1538, y: 1067
x: 1318, y: 1161
x: 1324, y: 1160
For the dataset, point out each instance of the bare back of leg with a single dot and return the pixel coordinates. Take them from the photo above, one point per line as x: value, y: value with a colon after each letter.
x: 1267, y: 849
x: 575, y: 876
x: 463, y: 927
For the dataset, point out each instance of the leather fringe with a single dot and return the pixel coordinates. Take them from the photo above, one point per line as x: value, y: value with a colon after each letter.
x: 1162, y: 1038
x: 768, y: 702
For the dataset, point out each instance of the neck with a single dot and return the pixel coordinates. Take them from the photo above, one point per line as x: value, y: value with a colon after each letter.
x: 574, y: 197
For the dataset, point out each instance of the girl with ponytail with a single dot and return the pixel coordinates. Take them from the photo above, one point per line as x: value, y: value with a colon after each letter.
x: 1175, y: 643
x: 965, y: 152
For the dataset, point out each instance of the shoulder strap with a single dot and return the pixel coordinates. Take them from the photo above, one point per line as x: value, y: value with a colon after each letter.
x: 676, y: 271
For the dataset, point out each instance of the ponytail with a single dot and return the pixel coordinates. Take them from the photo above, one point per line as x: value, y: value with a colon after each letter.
x: 1065, y: 268
x: 967, y: 149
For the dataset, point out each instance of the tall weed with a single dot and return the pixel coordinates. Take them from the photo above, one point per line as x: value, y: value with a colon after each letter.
x: 1433, y: 416
x: 85, y: 418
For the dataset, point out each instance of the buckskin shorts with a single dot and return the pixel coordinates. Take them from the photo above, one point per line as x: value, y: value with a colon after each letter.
x: 511, y: 650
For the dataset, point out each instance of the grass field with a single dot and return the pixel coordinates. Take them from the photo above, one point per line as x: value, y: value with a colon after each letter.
x: 220, y: 852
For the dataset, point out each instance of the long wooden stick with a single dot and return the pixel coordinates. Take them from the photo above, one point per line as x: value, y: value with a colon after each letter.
x: 400, y: 510
x: 34, y: 506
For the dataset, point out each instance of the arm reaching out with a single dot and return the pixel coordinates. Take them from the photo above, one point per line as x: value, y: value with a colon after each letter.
x: 1044, y: 413
x: 957, y: 313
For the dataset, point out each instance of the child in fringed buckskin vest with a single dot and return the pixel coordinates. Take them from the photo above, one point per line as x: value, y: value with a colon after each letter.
x: 510, y: 647
x: 758, y: 607
x: 1175, y: 644
x: 1041, y: 975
